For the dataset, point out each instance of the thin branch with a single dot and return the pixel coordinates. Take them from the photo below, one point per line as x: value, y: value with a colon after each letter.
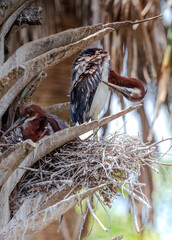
x: 138, y: 198
x: 162, y: 163
x: 82, y: 223
x: 118, y: 25
x: 95, y: 217
x: 106, y: 120
x: 134, y: 208
x: 101, y: 202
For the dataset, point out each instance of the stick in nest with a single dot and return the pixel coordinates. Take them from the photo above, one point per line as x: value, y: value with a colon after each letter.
x: 115, y: 160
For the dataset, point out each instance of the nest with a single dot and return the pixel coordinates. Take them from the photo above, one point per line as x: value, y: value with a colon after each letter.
x: 115, y: 160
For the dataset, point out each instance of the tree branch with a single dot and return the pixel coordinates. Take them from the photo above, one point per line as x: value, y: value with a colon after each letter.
x: 40, y: 46
x: 8, y: 24
x: 58, y: 108
x: 43, y: 218
x: 30, y: 16
x: 11, y: 159
x: 10, y: 79
x: 94, y: 216
x: 7, y: 7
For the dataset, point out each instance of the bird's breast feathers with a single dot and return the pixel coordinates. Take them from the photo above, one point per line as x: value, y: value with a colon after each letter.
x: 101, y: 93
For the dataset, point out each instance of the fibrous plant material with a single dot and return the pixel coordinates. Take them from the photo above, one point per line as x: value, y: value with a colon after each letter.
x: 115, y: 161
x: 88, y: 163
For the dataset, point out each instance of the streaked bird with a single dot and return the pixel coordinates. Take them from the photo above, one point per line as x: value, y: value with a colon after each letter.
x: 35, y: 123
x: 91, y: 78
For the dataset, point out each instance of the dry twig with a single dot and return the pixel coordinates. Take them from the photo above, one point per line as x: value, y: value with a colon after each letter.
x: 114, y: 161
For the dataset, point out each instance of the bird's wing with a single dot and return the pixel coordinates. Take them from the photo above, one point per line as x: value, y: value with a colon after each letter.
x: 56, y: 123
x: 79, y: 67
x: 86, y: 76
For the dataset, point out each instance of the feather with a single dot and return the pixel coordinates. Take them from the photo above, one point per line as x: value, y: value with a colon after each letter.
x: 86, y: 77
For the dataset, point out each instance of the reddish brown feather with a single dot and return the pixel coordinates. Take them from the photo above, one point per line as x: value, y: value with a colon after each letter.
x: 121, y: 81
x: 42, y: 125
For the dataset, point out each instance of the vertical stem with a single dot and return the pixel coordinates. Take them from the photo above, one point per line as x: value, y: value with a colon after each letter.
x: 96, y: 130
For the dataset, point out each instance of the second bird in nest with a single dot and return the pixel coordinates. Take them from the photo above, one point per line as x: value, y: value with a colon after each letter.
x: 35, y: 123
x: 91, y: 78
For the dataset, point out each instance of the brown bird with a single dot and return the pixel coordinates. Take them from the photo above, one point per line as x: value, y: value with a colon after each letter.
x: 91, y: 78
x: 35, y: 123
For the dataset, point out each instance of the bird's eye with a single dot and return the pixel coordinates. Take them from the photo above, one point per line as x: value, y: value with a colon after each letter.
x: 27, y: 115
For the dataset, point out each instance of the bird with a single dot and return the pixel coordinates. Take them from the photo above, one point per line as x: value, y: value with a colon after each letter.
x: 92, y: 77
x: 35, y: 123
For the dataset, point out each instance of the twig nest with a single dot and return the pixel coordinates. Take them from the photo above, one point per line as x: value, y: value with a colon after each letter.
x: 115, y: 160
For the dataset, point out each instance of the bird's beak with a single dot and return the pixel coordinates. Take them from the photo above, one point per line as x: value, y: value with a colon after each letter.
x: 122, y: 90
x: 17, y: 123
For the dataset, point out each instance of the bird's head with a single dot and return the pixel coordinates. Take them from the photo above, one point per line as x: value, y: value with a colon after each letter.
x: 133, y: 94
x: 131, y: 88
x: 30, y: 115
